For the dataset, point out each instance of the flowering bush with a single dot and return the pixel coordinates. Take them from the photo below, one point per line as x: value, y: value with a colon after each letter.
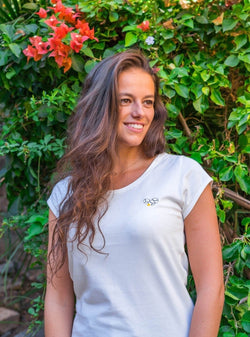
x: 63, y: 22
x: 199, y: 49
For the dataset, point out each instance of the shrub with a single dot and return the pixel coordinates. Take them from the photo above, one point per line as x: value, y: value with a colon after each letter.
x: 200, y: 50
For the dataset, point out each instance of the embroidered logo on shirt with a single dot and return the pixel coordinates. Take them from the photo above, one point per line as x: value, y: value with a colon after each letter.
x: 151, y: 202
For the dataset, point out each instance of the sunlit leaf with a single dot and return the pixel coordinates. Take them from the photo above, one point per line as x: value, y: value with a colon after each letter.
x: 130, y: 39
x: 216, y: 97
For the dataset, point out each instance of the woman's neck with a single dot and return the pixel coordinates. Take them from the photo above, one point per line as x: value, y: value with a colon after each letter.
x: 128, y: 167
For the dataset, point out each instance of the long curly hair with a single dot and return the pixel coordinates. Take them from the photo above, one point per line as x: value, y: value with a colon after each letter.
x: 88, y: 160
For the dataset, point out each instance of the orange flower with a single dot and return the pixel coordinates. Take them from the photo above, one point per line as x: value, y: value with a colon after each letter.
x: 67, y: 64
x: 61, y: 56
x: 31, y: 51
x: 42, y: 13
x: 144, y: 26
x: 84, y: 29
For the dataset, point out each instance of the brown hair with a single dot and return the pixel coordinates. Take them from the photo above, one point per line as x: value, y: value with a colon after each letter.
x: 91, y: 147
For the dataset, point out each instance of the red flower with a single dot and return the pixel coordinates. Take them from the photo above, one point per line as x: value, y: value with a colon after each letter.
x: 42, y: 13
x: 144, y: 26
x: 31, y: 51
x: 155, y: 70
x: 52, y: 21
x: 58, y: 6
x: 35, y: 40
x: 62, y: 30
x: 42, y: 48
x: 77, y: 41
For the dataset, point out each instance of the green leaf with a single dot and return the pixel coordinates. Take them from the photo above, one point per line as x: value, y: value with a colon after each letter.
x: 173, y: 109
x: 242, y: 178
x: 202, y: 19
x: 8, y: 30
x: 188, y: 23
x: 231, y: 252
x: 10, y: 73
x: 229, y: 24
x: 77, y: 63
x: 37, y: 218
x: 173, y: 134
x: 113, y: 16
x: 4, y: 57
x: 245, y: 58
x: 88, y: 52
x: 89, y: 65
x: 197, y: 104
x: 240, y: 41
x: 168, y: 34
x: 34, y: 229
x: 15, y: 48
x: 201, y: 104
x: 232, y: 61
x: 169, y: 46
x: 129, y: 28
x: 169, y: 92
x: 226, y: 173
x: 32, y: 28
x: 196, y: 156
x: 205, y: 75
x: 31, y: 6
x: 178, y: 59
x: 245, y: 321
x: 130, y: 39
x: 205, y: 91
x: 216, y: 97
x: 179, y: 72
x: 181, y: 90
x: 196, y: 89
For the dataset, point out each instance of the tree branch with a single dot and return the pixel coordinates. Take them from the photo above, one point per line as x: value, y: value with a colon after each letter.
x: 245, y: 203
x: 184, y: 124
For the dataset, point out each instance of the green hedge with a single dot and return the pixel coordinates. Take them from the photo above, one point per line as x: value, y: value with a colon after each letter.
x: 201, y: 52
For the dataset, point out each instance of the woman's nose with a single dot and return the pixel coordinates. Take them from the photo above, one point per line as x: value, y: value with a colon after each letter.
x: 137, y: 110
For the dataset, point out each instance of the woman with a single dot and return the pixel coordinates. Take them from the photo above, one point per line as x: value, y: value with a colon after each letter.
x: 120, y: 219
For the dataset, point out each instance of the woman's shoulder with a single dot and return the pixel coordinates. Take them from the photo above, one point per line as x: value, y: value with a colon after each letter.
x: 180, y: 161
x: 58, y: 194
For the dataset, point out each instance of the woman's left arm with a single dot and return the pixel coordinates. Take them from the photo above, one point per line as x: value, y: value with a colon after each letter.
x: 204, y: 251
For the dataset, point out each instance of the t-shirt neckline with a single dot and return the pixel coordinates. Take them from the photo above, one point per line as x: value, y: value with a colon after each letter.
x: 142, y: 176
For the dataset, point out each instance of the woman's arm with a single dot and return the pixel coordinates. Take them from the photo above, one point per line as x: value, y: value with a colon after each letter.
x: 204, y: 251
x: 59, y: 299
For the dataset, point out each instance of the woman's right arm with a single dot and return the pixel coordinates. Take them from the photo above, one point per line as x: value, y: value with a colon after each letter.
x: 59, y: 298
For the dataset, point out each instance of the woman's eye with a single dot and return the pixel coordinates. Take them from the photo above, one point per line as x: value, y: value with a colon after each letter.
x: 125, y: 101
x: 148, y: 103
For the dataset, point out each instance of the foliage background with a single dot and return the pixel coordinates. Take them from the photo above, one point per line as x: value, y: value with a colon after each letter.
x: 200, y: 50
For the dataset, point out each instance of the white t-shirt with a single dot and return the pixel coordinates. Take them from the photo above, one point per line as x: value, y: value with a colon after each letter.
x: 139, y: 288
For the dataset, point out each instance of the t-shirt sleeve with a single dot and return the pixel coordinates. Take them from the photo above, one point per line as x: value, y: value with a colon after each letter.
x: 57, y: 196
x: 195, y: 181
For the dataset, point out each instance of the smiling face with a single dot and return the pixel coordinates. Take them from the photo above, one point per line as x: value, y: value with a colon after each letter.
x: 136, y: 92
